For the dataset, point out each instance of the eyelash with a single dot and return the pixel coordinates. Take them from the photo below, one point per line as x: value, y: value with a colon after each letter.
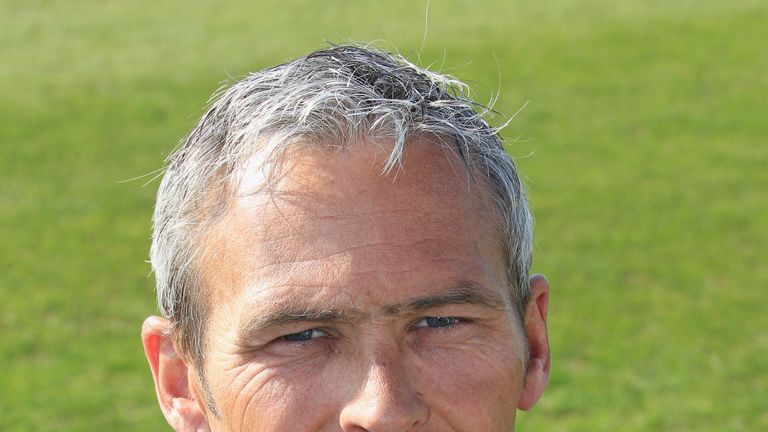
x: 297, y: 335
x: 439, y: 323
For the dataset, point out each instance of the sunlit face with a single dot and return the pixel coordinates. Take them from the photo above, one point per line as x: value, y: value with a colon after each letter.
x: 342, y: 299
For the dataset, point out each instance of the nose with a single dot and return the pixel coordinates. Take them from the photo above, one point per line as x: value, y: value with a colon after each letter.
x: 387, y: 401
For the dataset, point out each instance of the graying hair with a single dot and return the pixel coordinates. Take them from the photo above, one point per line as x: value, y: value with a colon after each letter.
x: 333, y: 98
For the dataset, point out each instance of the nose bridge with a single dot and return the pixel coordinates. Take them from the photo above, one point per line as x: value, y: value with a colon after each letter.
x: 387, y: 399
x: 386, y: 374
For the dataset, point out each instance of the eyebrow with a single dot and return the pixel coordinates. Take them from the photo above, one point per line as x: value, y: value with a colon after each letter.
x: 294, y: 315
x: 463, y: 293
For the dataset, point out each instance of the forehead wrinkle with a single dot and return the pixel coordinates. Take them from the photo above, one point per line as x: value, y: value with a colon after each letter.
x: 306, y: 198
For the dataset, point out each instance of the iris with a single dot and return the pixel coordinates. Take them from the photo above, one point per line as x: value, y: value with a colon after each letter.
x: 437, y: 322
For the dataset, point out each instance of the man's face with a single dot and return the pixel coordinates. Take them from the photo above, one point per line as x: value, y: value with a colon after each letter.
x: 341, y: 299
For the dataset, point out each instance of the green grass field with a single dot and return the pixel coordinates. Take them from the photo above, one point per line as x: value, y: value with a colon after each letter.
x: 644, y: 144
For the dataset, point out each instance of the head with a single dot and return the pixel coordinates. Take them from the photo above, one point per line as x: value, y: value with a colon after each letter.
x: 342, y: 243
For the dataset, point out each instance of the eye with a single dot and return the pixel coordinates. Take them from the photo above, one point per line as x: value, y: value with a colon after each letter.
x: 436, y: 322
x: 304, y: 336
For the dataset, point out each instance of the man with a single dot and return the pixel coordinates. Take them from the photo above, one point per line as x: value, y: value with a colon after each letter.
x: 342, y: 244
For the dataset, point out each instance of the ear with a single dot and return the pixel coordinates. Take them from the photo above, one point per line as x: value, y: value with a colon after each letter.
x: 537, y: 372
x: 172, y: 375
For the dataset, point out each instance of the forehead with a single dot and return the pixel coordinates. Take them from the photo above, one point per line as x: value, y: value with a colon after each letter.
x: 334, y: 221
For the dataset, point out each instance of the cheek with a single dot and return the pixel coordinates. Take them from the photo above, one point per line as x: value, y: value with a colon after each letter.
x: 258, y: 398
x: 474, y: 388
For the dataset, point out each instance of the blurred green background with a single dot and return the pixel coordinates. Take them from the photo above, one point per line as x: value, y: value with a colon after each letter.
x: 643, y: 146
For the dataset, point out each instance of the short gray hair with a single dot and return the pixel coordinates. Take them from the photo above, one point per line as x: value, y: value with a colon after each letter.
x: 333, y: 98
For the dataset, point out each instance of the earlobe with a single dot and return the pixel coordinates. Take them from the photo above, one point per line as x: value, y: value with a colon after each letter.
x: 537, y: 371
x: 171, y: 375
